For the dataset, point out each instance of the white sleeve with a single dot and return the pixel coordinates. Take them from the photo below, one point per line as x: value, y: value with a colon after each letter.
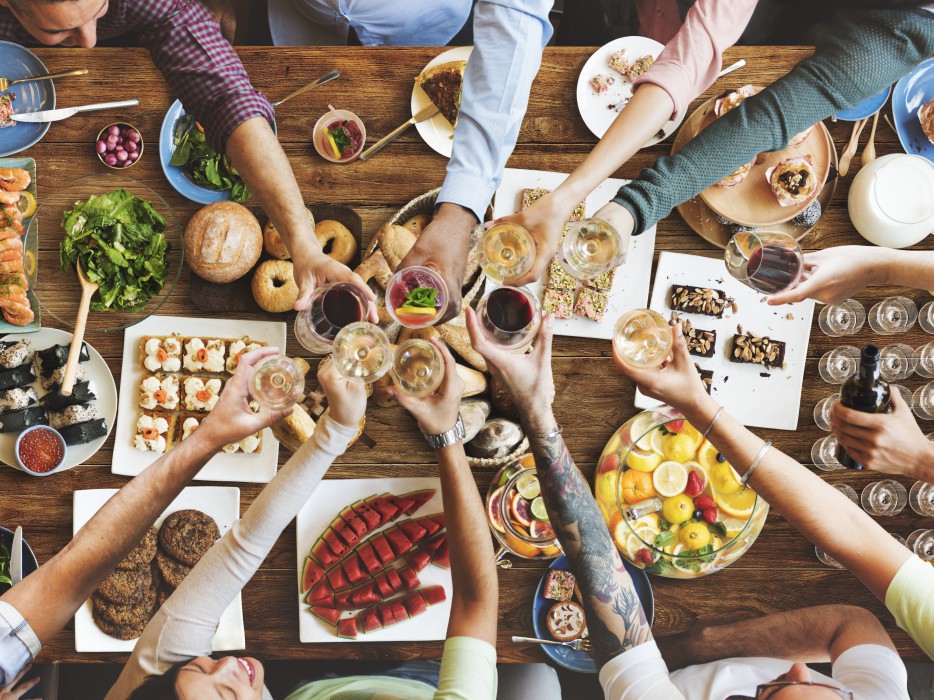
x: 638, y: 674
x: 872, y: 672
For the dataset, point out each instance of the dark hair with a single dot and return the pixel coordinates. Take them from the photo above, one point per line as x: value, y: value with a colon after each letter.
x: 160, y: 687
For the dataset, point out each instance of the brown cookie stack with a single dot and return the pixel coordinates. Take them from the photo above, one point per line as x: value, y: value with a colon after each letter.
x: 184, y: 538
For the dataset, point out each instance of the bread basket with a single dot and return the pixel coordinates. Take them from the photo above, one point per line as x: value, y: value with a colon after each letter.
x: 497, y: 462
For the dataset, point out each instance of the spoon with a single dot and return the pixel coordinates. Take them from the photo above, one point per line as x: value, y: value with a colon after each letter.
x: 74, y: 353
x: 869, y: 153
x: 850, y: 149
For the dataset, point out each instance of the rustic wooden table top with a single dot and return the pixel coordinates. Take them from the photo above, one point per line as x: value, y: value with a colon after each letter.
x: 779, y: 572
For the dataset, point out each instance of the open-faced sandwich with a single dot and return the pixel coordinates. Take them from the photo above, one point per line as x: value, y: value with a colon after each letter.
x: 793, y: 181
x: 442, y: 84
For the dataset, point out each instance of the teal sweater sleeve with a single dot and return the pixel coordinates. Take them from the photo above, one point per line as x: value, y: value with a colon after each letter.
x: 858, y: 55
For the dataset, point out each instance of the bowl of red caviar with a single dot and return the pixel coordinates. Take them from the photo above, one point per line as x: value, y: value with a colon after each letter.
x: 40, y: 450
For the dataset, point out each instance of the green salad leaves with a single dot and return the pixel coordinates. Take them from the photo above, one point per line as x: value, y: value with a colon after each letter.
x: 119, y: 239
x: 421, y: 297
x: 204, y: 165
x: 5, y: 579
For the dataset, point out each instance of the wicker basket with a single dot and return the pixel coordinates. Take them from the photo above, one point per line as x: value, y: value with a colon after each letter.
x: 496, y: 463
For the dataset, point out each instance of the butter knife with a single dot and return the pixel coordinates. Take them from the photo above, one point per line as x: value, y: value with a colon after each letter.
x: 426, y: 113
x: 16, y: 556
x: 54, y: 115
x: 327, y: 77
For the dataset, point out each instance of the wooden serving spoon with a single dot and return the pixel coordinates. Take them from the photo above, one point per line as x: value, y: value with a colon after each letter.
x: 869, y: 153
x: 88, y: 288
x: 850, y: 149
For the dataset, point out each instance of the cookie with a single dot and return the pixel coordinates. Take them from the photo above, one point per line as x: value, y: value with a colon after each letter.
x: 187, y: 534
x: 171, y: 571
x: 143, y: 554
x: 124, y: 632
x: 125, y: 615
x: 126, y: 587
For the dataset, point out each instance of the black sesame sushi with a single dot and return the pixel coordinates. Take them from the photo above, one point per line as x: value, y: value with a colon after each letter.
x: 17, y: 398
x: 81, y: 393
x: 83, y: 433
x: 72, y: 415
x: 18, y: 376
x: 14, y: 353
x: 56, y: 356
x: 16, y: 421
x: 53, y: 381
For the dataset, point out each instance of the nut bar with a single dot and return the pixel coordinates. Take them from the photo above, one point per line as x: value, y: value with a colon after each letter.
x: 559, y: 585
x: 558, y: 279
x: 559, y: 302
x: 698, y: 300
x: 591, y: 304
x: 706, y: 376
x: 700, y: 343
x: 757, y: 350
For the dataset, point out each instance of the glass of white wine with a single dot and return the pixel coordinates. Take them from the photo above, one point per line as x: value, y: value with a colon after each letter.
x: 591, y: 248
x: 362, y: 352
x: 642, y: 338
x: 277, y: 383
x: 507, y: 252
x: 417, y: 367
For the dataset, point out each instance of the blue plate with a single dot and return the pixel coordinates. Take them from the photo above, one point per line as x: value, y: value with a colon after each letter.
x: 911, y: 93
x: 565, y: 656
x: 20, y: 62
x: 866, y: 108
x: 29, y: 559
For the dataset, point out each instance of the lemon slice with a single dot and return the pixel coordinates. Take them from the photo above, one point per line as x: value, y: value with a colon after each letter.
x: 621, y: 535
x: 647, y: 534
x: 694, y: 434
x: 739, y: 503
x: 640, y: 425
x: 733, y: 525
x: 707, y: 455
x: 26, y: 204
x: 724, y: 479
x: 678, y: 550
x: 642, y: 461
x: 656, y: 440
x: 29, y: 263
x: 333, y: 144
x: 528, y: 486
x: 670, y: 479
x: 416, y: 311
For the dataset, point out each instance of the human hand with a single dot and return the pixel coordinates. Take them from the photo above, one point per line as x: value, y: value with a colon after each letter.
x: 14, y: 691
x: 346, y: 397
x: 436, y: 413
x: 232, y: 419
x: 891, y: 443
x: 312, y: 268
x: 545, y: 220
x: 833, y: 274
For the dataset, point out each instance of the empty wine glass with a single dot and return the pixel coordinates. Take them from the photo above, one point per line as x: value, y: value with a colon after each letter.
x: 926, y: 317
x: 893, y: 315
x: 921, y: 542
x: 417, y: 367
x: 925, y: 355
x: 822, y: 411
x: 847, y: 491
x: 331, y: 308
x: 845, y: 318
x: 885, y: 497
x: 824, y: 454
x: 921, y: 498
x: 362, y: 351
x: 277, y: 383
x: 642, y: 338
x: 897, y: 362
x: 768, y: 262
x: 839, y: 364
x: 507, y: 251
x: 510, y: 317
x: 923, y: 402
x: 591, y: 248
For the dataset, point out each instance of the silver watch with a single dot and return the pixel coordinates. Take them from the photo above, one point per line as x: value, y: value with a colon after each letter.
x: 448, y: 437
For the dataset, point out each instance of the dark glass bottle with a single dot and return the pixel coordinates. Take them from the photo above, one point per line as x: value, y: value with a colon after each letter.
x: 865, y: 391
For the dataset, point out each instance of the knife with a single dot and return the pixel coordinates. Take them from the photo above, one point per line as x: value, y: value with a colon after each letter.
x: 16, y: 556
x: 428, y: 112
x: 327, y: 77
x: 54, y: 115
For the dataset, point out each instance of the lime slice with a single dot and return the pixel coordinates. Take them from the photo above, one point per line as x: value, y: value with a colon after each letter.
x: 670, y: 479
x: 528, y: 487
x: 538, y: 509
x: 507, y: 475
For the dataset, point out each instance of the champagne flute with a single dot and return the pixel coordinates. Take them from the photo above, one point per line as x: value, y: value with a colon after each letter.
x: 642, y: 338
x: 510, y: 317
x: 921, y: 498
x: 332, y: 307
x: 277, y: 382
x: 923, y: 402
x: 824, y: 454
x: 765, y: 261
x: 926, y: 317
x: 417, y: 367
x: 591, y: 248
x: 362, y: 352
x: 507, y: 251
x: 416, y: 296
x: 822, y: 411
x: 925, y: 355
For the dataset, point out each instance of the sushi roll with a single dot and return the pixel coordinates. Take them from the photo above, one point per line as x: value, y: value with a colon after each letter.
x: 16, y: 398
x: 83, y: 433
x: 14, y: 354
x: 70, y: 415
x: 81, y: 393
x: 56, y: 356
x: 18, y: 376
x: 53, y: 381
x: 20, y: 420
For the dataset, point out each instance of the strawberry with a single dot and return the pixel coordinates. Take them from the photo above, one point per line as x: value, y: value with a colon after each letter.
x: 704, y: 502
x: 644, y: 556
x: 608, y: 464
x: 675, y: 426
x: 695, y: 485
x: 710, y: 515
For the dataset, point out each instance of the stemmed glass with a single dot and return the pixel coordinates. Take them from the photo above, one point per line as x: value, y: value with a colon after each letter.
x: 362, y: 351
x: 417, y: 367
x: 839, y: 364
x: 926, y: 317
x: 642, y: 338
x: 921, y: 498
x: 510, y: 317
x: 897, y: 362
x: 822, y: 411
x: 893, y: 315
x: 277, y: 382
x: 921, y: 542
x: 416, y: 296
x: 591, y: 248
x: 925, y: 355
x: 507, y: 251
x: 845, y: 318
x: 923, y: 401
x: 332, y: 307
x: 824, y: 454
x: 885, y: 497
x: 767, y: 262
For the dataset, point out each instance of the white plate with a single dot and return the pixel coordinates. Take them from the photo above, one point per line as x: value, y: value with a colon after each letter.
x: 771, y: 401
x: 332, y: 496
x: 220, y: 502
x: 631, y: 282
x: 102, y: 383
x: 437, y: 132
x: 127, y: 460
x: 596, y: 109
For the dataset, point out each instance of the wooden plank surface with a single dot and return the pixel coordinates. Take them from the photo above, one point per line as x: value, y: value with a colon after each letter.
x: 780, y: 572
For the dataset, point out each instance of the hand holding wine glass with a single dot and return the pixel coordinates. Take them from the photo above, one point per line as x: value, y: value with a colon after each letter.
x: 833, y: 274
x: 437, y: 412
x: 346, y: 397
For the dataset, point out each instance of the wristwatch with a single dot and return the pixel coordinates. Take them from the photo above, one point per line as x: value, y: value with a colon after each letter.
x: 448, y: 437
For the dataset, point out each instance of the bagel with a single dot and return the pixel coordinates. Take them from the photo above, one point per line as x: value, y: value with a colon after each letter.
x: 274, y: 287
x: 273, y: 242
x: 343, y: 243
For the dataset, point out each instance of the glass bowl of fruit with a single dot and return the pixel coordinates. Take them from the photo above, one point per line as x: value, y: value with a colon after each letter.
x: 516, y: 513
x: 674, y: 505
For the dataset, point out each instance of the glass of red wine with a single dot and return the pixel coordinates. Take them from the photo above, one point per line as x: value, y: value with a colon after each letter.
x: 510, y: 317
x: 416, y: 296
x: 332, y: 307
x: 766, y: 261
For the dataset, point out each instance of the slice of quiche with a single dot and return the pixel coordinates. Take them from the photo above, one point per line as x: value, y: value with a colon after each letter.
x: 442, y: 84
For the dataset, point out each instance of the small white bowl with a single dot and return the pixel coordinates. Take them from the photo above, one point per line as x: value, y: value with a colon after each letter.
x: 320, y: 139
x: 54, y: 432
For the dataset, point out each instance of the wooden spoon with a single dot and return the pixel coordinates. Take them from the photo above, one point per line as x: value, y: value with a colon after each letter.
x: 74, y: 353
x: 850, y: 149
x: 869, y: 153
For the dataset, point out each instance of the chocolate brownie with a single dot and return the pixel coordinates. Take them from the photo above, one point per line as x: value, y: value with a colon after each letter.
x: 187, y: 534
x: 698, y: 300
x: 758, y: 350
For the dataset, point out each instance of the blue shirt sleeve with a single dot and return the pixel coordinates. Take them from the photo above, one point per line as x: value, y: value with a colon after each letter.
x: 509, y: 36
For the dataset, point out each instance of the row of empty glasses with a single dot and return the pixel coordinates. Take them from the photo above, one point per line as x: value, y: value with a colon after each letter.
x: 890, y: 316
x: 823, y: 452
x: 897, y: 362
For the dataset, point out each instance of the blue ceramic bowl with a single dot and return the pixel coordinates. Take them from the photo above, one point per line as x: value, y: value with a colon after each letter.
x: 30, y: 563
x: 61, y: 441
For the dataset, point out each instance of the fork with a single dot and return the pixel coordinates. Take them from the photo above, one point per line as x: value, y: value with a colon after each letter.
x: 6, y: 84
x: 575, y: 644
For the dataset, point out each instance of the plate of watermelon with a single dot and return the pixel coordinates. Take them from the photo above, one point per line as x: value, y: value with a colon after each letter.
x: 373, y: 562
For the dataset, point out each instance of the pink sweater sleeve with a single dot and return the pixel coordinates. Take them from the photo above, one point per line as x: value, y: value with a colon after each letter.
x: 690, y: 62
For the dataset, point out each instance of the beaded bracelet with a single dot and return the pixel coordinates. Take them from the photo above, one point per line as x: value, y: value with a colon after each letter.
x: 755, y: 463
x: 715, y: 417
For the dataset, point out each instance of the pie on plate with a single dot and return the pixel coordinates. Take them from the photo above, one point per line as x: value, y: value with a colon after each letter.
x: 442, y: 84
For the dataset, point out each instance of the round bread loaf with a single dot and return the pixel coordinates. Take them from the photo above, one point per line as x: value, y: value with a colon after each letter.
x: 223, y: 241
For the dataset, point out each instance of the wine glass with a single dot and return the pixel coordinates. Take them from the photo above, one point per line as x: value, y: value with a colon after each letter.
x: 417, y: 367
x: 893, y: 315
x: 824, y: 454
x: 332, y: 307
x: 845, y: 318
x: 416, y: 296
x: 591, y: 248
x: 826, y: 559
x: 839, y: 364
x: 847, y: 491
x: 510, y: 317
x: 767, y: 262
x: 822, y: 411
x: 642, y: 338
x: 921, y: 498
x: 277, y: 382
x: 925, y: 355
x: 362, y: 351
x: 923, y: 402
x: 921, y: 542
x: 926, y: 317
x: 886, y: 497
x: 507, y: 251
x: 897, y: 362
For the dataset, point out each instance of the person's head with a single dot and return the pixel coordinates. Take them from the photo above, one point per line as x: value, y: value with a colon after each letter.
x: 206, y: 678
x: 799, y: 687
x: 65, y: 22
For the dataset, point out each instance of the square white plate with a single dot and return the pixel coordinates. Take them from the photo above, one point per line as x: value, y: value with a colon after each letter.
x: 332, y: 496
x: 631, y: 282
x: 127, y: 460
x: 770, y: 401
x: 220, y: 502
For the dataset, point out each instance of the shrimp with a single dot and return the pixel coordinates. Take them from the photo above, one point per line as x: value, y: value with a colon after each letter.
x: 14, y: 179
x: 8, y: 267
x: 9, y: 199
x: 19, y: 319
x: 11, y: 243
x: 8, y: 232
x: 12, y: 255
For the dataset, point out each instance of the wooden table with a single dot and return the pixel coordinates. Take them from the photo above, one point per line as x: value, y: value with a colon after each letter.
x: 780, y: 572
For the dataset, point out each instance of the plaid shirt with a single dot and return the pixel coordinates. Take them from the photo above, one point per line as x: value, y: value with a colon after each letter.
x: 186, y: 44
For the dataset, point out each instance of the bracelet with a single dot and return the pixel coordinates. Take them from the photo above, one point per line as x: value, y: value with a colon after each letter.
x: 714, y: 420
x: 551, y: 435
x: 755, y: 463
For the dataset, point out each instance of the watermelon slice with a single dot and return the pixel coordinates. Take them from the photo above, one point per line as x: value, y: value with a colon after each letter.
x: 335, y: 543
x: 382, y: 548
x: 322, y: 552
x: 368, y: 557
x: 369, y: 620
x: 386, y: 508
x: 417, y: 559
x: 398, y: 541
x: 353, y: 567
x: 383, y: 585
x: 418, y: 498
x: 364, y: 595
x: 393, y: 576
x: 338, y: 579
x: 403, y: 503
x: 346, y: 533
x: 368, y: 515
x: 311, y: 574
x: 431, y: 527
x: 409, y: 578
x: 343, y: 600
x: 398, y: 610
x: 356, y: 522
x: 433, y: 594
x: 326, y: 615
x: 412, y: 530
x: 414, y: 603
x: 347, y: 628
x: 320, y: 594
x: 442, y: 557
x: 434, y: 544
x: 385, y: 615
x: 438, y: 518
